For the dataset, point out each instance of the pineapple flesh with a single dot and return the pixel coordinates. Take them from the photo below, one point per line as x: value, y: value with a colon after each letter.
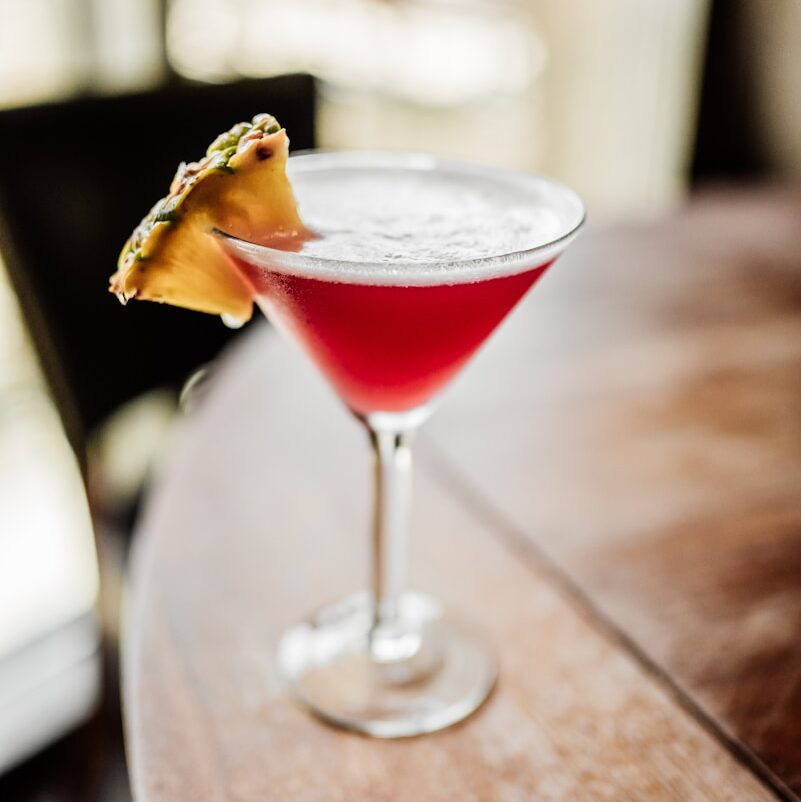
x: 239, y: 187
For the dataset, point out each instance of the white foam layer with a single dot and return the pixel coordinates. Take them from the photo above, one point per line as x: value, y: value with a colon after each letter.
x: 401, y: 219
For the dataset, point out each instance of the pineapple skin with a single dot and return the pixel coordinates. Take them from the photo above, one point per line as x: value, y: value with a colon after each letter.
x: 240, y: 187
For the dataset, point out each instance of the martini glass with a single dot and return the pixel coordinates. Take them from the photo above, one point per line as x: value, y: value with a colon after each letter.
x: 417, y: 262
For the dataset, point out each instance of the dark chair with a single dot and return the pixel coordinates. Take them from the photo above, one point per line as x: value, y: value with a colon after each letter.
x: 75, y: 177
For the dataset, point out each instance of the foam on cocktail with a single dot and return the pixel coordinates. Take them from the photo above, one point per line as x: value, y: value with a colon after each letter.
x: 418, y: 222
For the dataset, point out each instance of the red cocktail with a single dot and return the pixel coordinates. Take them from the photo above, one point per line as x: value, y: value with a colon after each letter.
x: 387, y: 348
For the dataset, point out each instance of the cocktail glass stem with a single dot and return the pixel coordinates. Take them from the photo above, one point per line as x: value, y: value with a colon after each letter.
x: 391, y: 436
x: 393, y: 486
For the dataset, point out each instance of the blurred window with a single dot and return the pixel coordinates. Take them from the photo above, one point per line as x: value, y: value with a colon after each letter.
x: 49, y: 667
x: 602, y: 95
x: 39, y: 57
x: 48, y: 573
x: 54, y: 48
x: 427, y: 53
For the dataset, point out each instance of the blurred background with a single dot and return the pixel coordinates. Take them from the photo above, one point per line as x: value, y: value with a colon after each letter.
x: 635, y: 104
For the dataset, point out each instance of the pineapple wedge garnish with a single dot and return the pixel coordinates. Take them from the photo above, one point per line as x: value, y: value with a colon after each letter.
x: 239, y: 187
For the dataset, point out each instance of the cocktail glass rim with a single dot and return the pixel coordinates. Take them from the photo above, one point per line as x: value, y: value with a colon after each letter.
x: 415, y: 272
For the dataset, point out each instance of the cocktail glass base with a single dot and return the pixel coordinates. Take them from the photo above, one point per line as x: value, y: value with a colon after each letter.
x: 420, y: 673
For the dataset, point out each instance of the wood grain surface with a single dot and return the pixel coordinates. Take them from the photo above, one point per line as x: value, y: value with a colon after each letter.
x: 653, y: 450
x: 611, y: 490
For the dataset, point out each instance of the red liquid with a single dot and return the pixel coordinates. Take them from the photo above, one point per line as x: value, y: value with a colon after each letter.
x: 387, y: 348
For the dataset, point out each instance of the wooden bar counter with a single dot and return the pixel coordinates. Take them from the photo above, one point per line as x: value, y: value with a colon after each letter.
x: 612, y: 490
